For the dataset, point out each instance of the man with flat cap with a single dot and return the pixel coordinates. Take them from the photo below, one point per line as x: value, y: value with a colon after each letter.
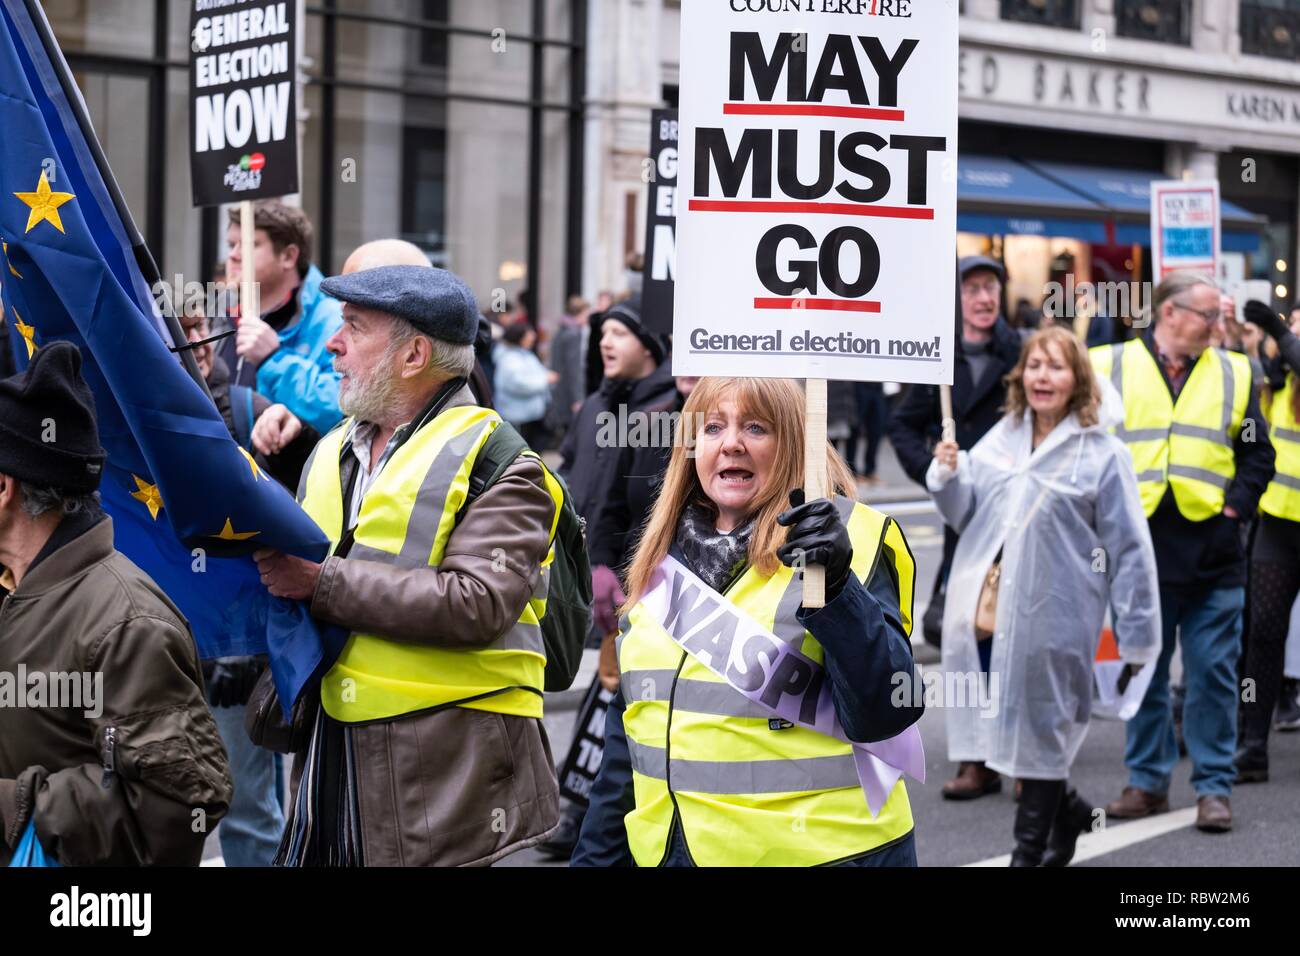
x: 427, y: 747
x: 108, y: 751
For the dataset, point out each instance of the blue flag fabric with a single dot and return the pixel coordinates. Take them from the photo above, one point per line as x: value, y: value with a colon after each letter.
x: 188, y: 504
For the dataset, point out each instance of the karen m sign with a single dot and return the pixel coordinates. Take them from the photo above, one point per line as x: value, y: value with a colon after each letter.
x: 243, y: 110
x: 816, y: 216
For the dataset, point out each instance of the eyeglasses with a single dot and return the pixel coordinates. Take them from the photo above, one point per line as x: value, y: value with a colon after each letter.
x: 1211, y: 315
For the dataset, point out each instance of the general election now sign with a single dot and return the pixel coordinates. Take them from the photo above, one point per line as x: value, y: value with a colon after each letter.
x: 816, y: 216
x: 243, y: 135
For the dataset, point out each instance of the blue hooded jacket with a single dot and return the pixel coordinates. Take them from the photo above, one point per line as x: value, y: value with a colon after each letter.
x: 300, y: 373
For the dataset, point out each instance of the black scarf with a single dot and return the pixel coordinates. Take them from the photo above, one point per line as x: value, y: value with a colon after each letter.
x: 718, y: 558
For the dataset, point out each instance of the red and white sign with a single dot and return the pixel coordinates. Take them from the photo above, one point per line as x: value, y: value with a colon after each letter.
x: 1185, y: 227
x: 816, y: 220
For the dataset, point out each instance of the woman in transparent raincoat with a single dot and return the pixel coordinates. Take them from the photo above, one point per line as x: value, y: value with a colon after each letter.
x: 1051, y: 497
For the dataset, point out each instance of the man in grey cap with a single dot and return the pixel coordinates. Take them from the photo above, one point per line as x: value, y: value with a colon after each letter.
x: 987, y: 349
x: 427, y: 747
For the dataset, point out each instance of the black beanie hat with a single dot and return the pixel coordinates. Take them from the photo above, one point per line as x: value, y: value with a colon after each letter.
x: 629, y: 313
x: 51, y: 396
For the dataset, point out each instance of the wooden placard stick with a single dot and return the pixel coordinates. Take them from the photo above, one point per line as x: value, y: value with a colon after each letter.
x: 949, y: 423
x: 814, y: 479
x: 248, y: 289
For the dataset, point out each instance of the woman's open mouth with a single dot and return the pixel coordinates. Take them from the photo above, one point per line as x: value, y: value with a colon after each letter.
x: 736, y: 476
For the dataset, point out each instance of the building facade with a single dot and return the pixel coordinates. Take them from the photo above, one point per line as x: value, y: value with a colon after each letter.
x: 1088, y: 99
x: 455, y: 124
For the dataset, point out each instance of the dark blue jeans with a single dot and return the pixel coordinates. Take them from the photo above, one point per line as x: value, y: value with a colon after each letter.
x: 1209, y: 626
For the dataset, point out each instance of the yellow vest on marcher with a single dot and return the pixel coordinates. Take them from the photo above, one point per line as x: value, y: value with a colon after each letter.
x: 1282, y: 497
x: 1187, y: 445
x: 747, y: 794
x: 405, y: 519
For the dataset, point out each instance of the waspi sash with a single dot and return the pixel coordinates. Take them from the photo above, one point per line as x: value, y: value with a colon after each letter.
x: 774, y: 675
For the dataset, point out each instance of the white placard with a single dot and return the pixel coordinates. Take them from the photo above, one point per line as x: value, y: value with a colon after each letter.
x: 1184, y: 227
x: 816, y: 227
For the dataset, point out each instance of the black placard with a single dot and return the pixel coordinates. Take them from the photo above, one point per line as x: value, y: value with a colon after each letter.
x: 243, y: 100
x: 661, y: 224
x: 583, y: 762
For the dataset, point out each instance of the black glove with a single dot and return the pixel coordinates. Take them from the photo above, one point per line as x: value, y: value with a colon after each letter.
x: 820, y: 536
x: 232, y: 680
x: 1257, y: 313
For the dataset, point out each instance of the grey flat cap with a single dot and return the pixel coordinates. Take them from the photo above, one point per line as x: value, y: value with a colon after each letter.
x: 435, y: 301
x: 968, y: 264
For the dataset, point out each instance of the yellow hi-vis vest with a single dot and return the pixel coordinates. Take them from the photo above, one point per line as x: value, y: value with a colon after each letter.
x: 747, y: 794
x: 1282, y: 497
x: 405, y: 519
x: 1184, y: 445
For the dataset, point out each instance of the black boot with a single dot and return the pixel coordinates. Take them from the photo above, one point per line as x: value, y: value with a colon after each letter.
x: 1039, y: 802
x: 1073, y: 819
x: 561, y: 844
x: 1252, y: 761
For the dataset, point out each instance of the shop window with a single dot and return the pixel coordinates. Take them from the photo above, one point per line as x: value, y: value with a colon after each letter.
x: 1271, y: 28
x: 433, y: 43
x: 1163, y: 21
x: 1048, y: 13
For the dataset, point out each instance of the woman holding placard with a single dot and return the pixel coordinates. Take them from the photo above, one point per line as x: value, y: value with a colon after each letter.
x: 751, y: 731
x: 1052, y: 533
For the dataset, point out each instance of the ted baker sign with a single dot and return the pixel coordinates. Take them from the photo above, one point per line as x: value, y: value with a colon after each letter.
x: 818, y: 189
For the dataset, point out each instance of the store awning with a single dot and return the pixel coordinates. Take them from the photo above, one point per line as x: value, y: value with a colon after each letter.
x: 1126, y: 196
x: 999, y: 196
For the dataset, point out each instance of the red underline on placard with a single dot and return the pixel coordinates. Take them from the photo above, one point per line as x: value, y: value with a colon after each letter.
x: 831, y: 305
x: 813, y: 109
x: 828, y: 208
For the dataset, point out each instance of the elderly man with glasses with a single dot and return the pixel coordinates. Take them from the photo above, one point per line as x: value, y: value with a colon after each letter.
x: 1203, y: 458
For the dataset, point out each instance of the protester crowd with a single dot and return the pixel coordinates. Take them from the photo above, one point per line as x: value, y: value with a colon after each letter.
x: 488, y: 524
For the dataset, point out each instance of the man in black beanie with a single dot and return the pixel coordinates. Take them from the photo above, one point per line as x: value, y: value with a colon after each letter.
x: 107, y: 747
x: 597, y: 460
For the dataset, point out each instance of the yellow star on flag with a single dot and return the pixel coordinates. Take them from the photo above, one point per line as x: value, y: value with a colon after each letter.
x: 16, y: 274
x: 27, y: 332
x: 44, y: 204
x: 148, y: 495
x: 228, y: 533
x: 257, y: 472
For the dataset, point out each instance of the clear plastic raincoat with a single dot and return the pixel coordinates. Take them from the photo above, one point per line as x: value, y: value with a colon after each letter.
x: 1069, y: 524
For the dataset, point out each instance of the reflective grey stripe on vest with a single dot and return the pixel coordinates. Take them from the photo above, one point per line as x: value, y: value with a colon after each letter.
x: 1217, y: 435
x: 1200, y: 474
x: 520, y: 637
x: 1117, y: 368
x: 1287, y: 481
x: 1141, y: 434
x: 1154, y: 475
x: 367, y: 553
x: 696, y: 696
x: 306, y: 470
x: 1229, y: 389
x: 431, y: 499
x: 746, y: 777
x: 543, y: 585
x: 1286, y: 434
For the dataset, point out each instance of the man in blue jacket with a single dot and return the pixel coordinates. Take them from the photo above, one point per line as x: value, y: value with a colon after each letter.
x: 282, y: 353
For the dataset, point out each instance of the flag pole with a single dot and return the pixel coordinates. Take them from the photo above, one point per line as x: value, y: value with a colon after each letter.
x: 143, y: 257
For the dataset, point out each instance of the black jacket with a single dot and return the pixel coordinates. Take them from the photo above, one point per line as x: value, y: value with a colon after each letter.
x: 612, y: 532
x: 916, y: 424
x: 594, y: 455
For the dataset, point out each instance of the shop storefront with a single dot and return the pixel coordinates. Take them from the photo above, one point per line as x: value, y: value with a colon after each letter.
x: 455, y: 124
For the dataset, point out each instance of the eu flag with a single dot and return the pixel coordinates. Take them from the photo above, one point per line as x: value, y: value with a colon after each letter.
x: 188, y: 504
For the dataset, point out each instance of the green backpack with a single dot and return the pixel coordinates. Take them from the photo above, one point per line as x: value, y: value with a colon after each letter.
x: 568, y: 599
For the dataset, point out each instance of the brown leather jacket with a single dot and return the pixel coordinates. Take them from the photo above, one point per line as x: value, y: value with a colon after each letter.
x: 453, y: 787
x: 84, y: 608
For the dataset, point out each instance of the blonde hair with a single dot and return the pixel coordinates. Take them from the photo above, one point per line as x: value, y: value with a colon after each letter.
x: 1086, y: 395
x: 778, y: 403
